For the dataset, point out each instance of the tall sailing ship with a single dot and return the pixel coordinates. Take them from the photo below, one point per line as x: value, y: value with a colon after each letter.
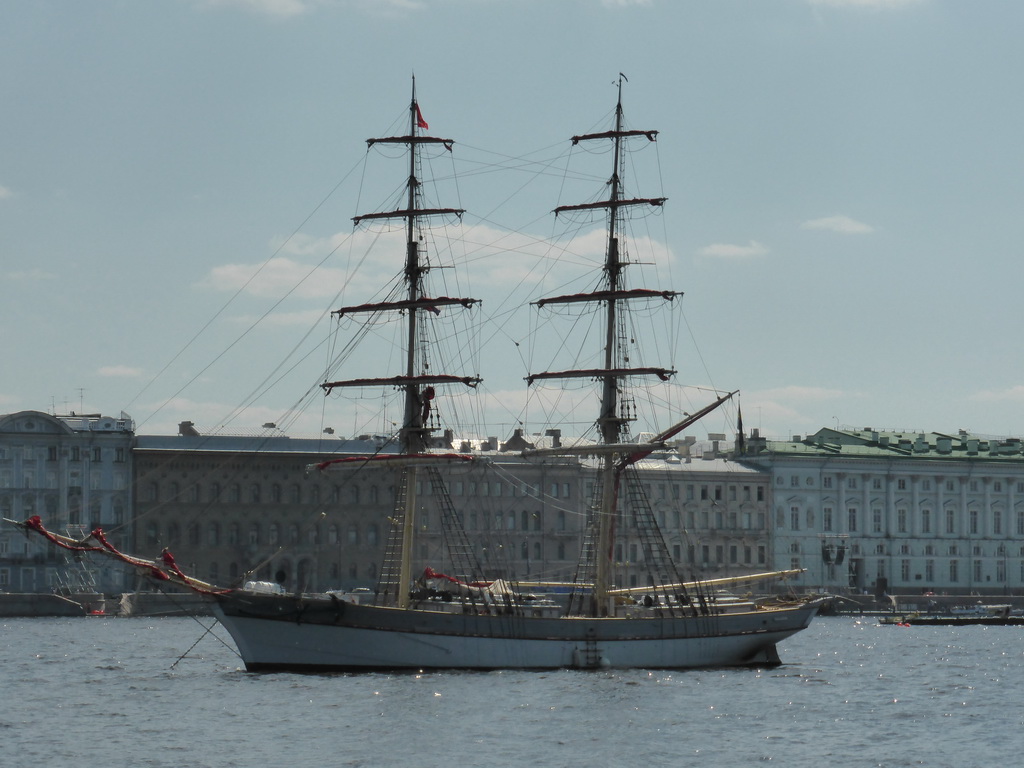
x: 432, y: 620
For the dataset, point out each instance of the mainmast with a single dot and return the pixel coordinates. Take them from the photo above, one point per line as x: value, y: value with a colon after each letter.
x: 611, y: 423
x: 417, y: 385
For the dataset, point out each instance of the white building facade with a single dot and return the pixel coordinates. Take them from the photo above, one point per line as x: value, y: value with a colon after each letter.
x: 75, y: 473
x: 898, y: 513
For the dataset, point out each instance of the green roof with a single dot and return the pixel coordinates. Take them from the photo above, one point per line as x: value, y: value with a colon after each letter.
x: 872, y: 443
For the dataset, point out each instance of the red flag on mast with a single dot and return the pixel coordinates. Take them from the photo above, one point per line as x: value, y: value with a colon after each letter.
x: 420, y: 122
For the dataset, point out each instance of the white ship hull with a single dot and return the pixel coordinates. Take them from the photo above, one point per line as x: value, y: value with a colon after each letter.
x: 321, y: 633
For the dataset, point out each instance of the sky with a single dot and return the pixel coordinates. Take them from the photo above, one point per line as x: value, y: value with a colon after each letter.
x: 845, y: 182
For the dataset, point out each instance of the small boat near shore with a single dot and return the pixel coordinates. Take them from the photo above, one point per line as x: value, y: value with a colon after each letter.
x: 960, y: 616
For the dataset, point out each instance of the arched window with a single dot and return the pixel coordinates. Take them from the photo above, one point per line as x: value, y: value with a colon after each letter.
x: 213, y: 534
x: 273, y: 534
x: 353, y: 534
x: 332, y: 534
x: 254, y: 493
x: 372, y: 534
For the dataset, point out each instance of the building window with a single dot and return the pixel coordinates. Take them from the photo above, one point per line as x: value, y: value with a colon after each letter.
x: 950, y: 521
x: 901, y: 484
x: 794, y: 518
x: 926, y: 521
x: 826, y: 482
x: 954, y: 571
x: 973, y: 520
x: 876, y: 484
x: 929, y: 571
x: 826, y: 518
x: 851, y: 514
x: 876, y: 520
x: 901, y: 520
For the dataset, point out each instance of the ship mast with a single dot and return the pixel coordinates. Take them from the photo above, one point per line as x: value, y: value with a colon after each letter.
x: 611, y: 423
x: 417, y: 386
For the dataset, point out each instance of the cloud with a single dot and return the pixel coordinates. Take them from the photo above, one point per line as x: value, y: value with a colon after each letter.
x: 797, y: 393
x: 31, y: 274
x: 844, y: 225
x: 1011, y: 395
x: 119, y: 372
x: 873, y: 4
x: 730, y: 251
x: 5, y: 193
x: 286, y: 9
x: 273, y: 278
x: 278, y: 8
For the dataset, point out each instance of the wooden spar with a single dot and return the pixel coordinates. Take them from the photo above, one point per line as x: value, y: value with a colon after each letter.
x: 422, y: 303
x: 675, y: 429
x: 713, y: 583
x: 635, y: 293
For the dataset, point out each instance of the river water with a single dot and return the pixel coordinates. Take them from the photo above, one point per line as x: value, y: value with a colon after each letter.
x: 120, y: 691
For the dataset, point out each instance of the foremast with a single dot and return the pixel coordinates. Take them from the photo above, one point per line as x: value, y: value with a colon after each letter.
x: 612, y: 420
x: 418, y: 386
